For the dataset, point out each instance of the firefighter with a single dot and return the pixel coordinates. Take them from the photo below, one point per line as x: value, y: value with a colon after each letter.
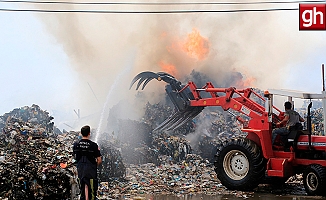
x: 291, y: 118
x: 88, y: 156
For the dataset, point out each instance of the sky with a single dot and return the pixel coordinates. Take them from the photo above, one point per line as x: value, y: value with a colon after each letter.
x: 65, y: 62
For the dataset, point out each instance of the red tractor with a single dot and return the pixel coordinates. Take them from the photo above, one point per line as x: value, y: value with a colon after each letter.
x: 242, y: 164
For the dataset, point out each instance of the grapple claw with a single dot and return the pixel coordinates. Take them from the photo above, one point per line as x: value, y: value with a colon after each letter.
x: 173, y: 120
x: 142, y: 79
x: 148, y: 76
x: 166, y: 77
x: 177, y: 119
x: 165, y: 122
x: 193, y: 114
x: 145, y: 83
x: 143, y: 76
x: 179, y: 95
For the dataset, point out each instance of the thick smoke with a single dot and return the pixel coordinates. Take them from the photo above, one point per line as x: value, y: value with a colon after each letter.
x: 258, y: 46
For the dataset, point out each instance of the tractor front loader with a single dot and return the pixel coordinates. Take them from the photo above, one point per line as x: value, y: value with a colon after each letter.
x: 241, y: 164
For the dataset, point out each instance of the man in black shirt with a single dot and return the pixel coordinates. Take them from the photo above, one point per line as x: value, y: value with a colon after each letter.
x: 88, y: 156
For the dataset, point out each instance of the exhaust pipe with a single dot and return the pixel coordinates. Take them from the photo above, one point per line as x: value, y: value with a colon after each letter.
x: 309, y: 127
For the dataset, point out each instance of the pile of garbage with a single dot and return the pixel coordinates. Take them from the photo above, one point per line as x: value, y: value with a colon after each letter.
x: 139, y: 144
x: 192, y: 175
x: 112, y: 167
x: 34, y: 162
x: 317, y: 125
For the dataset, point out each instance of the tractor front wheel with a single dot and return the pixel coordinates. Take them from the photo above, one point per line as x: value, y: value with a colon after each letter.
x: 239, y: 164
x: 314, y: 180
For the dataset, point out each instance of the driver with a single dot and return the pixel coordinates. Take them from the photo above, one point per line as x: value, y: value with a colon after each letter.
x: 291, y: 118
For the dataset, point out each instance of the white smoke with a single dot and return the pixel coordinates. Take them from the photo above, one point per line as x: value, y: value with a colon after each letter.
x: 262, y: 45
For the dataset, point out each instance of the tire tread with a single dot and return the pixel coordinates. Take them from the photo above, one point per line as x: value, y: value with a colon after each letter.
x: 257, y: 165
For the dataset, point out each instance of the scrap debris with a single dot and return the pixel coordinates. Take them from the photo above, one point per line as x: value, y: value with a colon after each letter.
x: 34, y: 164
x: 36, y: 160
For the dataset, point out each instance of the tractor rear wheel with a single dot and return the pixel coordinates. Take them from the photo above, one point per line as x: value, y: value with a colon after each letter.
x: 314, y: 180
x: 239, y: 164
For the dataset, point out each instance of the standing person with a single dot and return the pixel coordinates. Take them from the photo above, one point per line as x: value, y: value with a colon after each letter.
x: 88, y: 156
x: 291, y: 118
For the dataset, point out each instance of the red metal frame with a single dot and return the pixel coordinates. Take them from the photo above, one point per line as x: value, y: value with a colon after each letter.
x: 259, y: 129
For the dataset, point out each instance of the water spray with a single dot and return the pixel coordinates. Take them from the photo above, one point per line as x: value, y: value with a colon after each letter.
x: 108, y: 98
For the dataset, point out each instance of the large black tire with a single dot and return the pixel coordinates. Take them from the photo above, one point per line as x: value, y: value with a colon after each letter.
x: 239, y: 164
x: 314, y: 180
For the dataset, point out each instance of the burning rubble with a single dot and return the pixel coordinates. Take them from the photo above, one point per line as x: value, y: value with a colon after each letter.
x: 36, y: 159
x: 36, y: 162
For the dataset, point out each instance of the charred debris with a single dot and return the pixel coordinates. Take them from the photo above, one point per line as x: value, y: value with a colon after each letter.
x: 36, y: 160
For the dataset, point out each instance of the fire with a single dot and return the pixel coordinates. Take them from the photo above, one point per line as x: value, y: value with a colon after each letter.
x: 247, y: 82
x: 168, y: 68
x: 196, y: 46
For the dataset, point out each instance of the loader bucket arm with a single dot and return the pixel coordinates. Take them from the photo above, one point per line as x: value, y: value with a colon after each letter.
x: 179, y: 94
x: 189, y: 103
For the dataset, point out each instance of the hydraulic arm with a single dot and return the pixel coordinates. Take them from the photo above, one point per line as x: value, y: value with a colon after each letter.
x: 189, y: 103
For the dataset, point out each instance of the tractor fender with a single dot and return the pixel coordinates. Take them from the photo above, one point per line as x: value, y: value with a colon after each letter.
x: 263, y: 140
x: 253, y: 137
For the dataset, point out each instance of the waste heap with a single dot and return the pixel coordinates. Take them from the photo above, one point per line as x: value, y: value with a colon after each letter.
x: 316, y: 116
x: 34, y: 162
x: 112, y: 167
x: 189, y: 176
x: 317, y: 121
x: 139, y: 144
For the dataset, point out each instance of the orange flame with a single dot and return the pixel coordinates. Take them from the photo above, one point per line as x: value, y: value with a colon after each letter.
x: 169, y: 68
x: 247, y: 82
x: 196, y: 45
